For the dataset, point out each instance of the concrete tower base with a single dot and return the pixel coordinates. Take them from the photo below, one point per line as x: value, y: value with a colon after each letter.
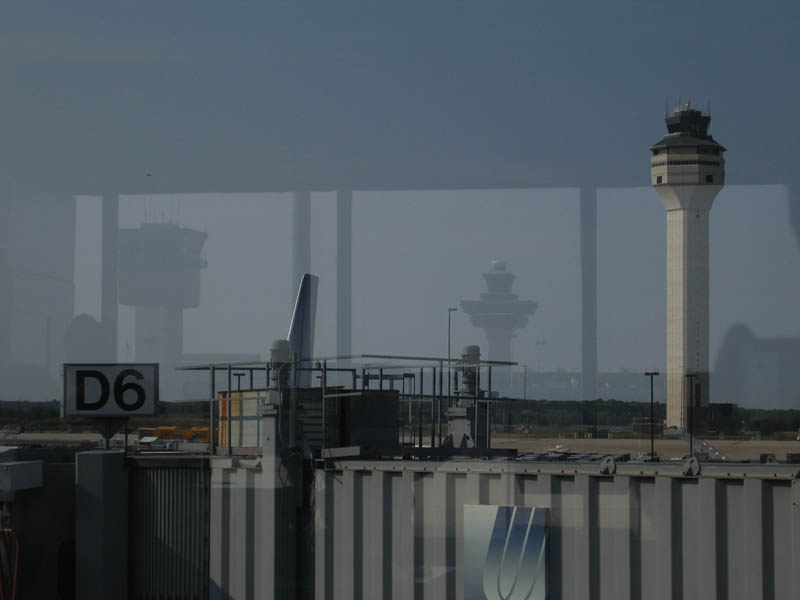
x: 687, y: 209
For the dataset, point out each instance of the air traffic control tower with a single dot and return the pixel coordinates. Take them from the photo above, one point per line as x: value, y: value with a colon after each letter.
x: 159, y: 274
x: 499, y: 312
x: 688, y: 170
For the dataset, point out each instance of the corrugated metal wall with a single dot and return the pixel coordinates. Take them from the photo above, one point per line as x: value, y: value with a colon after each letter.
x: 394, y: 529
x: 169, y: 538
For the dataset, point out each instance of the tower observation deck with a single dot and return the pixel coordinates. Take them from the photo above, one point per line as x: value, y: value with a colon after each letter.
x: 499, y: 312
x: 687, y: 169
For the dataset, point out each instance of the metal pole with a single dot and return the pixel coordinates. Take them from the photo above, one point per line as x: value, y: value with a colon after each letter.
x: 292, y: 405
x: 488, y: 408
x: 488, y: 424
x: 344, y: 271
x: 691, y: 420
x: 652, y: 421
x: 690, y: 377
x: 441, y: 394
x: 652, y: 374
x: 433, y: 403
x: 419, y: 408
x: 588, y: 249
x: 691, y: 416
x: 230, y: 415
x: 450, y: 312
x: 524, y: 382
x: 474, y: 430
x: 212, y: 405
x: 324, y: 389
x: 109, y: 306
x: 402, y: 412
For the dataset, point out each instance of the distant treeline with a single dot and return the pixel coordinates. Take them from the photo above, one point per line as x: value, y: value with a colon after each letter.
x: 768, y: 422
x: 616, y: 413
x: 28, y: 410
x: 572, y: 413
x: 32, y: 410
x: 546, y: 413
x: 47, y: 415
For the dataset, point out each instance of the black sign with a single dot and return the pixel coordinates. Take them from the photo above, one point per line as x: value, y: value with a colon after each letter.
x: 110, y: 390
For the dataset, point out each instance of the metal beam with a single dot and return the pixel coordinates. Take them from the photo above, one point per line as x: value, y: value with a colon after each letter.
x: 301, y: 238
x: 588, y: 217
x: 110, y: 251
x: 344, y: 271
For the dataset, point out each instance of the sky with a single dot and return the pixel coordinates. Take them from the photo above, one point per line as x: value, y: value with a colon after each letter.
x: 464, y: 128
x: 198, y: 96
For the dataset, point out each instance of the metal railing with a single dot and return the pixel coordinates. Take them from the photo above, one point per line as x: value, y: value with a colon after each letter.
x: 234, y: 415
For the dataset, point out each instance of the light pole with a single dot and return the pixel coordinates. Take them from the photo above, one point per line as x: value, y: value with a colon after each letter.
x: 450, y: 312
x: 539, y: 344
x: 691, y: 377
x: 524, y: 382
x: 652, y: 374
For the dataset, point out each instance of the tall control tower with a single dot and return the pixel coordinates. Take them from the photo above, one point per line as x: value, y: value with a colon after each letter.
x: 688, y: 170
x: 499, y: 312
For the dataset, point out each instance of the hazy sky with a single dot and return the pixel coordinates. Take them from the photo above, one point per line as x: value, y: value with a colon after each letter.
x: 218, y: 97
x: 416, y: 253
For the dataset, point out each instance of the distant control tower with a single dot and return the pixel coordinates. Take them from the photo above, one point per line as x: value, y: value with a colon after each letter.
x: 159, y: 274
x: 499, y: 312
x: 688, y: 170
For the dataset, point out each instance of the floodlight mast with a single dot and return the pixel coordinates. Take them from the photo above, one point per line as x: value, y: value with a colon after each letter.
x: 652, y: 374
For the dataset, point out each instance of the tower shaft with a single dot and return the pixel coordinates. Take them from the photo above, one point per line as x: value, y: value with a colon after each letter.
x: 687, y: 312
x: 688, y: 209
x: 499, y: 342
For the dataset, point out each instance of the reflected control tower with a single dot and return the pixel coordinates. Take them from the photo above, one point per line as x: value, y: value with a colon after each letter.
x: 499, y: 312
x: 688, y: 170
x: 159, y: 274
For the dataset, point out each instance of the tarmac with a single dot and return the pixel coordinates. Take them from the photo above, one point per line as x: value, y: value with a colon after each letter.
x: 732, y: 450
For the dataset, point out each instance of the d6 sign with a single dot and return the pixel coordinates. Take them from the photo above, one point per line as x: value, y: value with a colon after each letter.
x: 110, y: 390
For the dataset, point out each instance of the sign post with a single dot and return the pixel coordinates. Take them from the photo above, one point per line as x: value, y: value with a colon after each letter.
x: 110, y: 394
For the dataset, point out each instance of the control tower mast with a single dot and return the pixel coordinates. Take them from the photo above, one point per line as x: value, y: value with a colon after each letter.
x: 499, y: 312
x: 688, y: 171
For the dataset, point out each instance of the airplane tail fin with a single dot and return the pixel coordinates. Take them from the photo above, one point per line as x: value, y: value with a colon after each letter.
x: 301, y: 328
